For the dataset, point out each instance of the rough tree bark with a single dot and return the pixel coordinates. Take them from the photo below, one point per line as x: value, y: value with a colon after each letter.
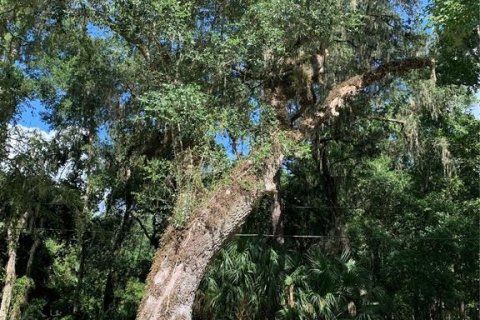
x: 13, y: 234
x: 183, y: 255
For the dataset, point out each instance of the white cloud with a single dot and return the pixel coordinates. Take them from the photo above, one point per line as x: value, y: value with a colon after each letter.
x: 33, y: 143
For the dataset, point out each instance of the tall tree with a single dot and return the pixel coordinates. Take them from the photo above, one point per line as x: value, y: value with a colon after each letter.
x: 290, y: 68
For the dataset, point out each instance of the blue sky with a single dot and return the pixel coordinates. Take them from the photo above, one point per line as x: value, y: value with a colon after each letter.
x: 476, y: 111
x: 30, y: 115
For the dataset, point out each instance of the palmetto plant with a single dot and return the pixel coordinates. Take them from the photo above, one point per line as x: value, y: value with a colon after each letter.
x: 252, y: 280
x: 325, y: 286
x: 243, y: 283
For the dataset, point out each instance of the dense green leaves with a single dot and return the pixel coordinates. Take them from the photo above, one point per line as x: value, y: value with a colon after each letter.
x: 456, y: 23
x: 151, y: 103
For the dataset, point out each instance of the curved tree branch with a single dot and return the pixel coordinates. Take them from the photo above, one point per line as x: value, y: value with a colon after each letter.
x: 352, y: 86
x: 184, y: 254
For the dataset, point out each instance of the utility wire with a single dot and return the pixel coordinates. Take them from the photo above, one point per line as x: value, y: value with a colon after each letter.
x: 293, y: 206
x: 306, y: 236
x: 263, y: 235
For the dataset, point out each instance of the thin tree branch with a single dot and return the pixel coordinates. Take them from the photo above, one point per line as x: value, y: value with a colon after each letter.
x: 142, y: 226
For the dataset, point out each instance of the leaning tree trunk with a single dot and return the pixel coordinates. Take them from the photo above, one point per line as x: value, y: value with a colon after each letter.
x: 183, y: 256
x: 13, y: 235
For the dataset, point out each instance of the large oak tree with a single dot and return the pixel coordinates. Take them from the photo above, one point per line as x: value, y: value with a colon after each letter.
x: 153, y: 88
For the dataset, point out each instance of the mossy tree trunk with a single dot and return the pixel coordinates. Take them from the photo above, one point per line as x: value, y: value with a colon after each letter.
x: 184, y: 255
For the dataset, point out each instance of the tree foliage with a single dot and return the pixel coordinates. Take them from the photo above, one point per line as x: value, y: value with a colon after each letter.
x: 155, y: 107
